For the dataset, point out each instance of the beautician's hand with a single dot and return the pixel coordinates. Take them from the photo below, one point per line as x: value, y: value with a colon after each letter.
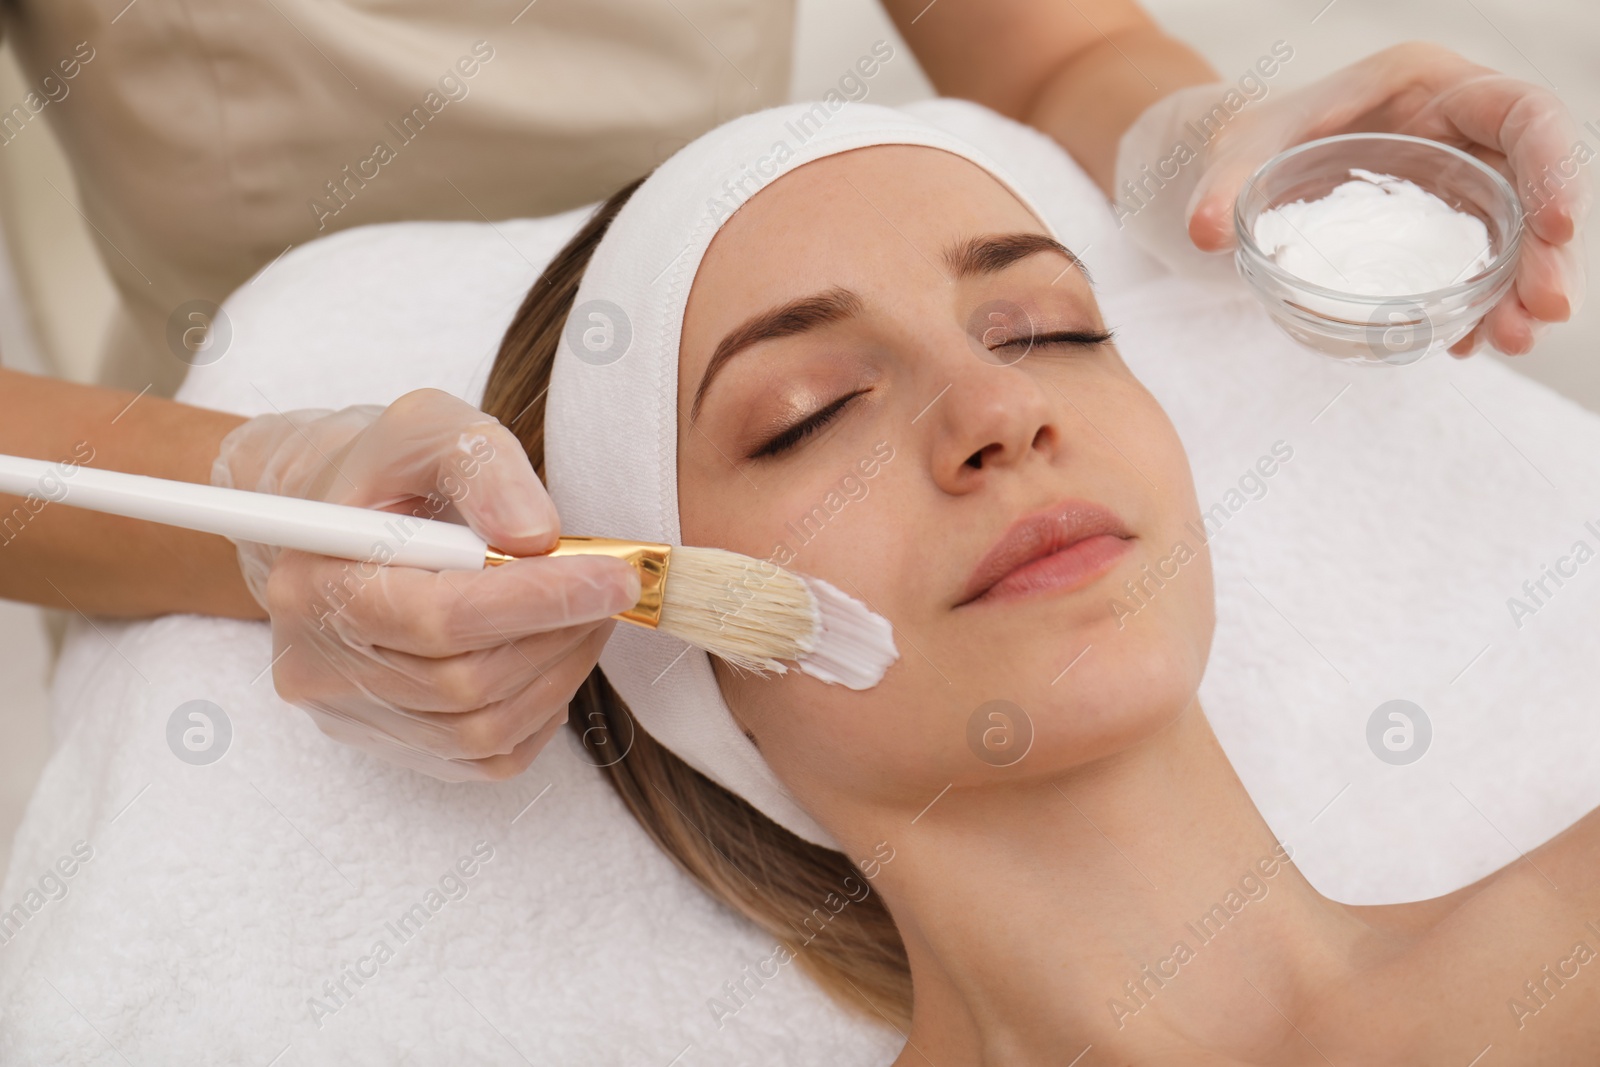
x: 462, y: 675
x: 1426, y: 90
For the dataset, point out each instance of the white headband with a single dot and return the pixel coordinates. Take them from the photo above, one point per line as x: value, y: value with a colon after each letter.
x: 611, y: 427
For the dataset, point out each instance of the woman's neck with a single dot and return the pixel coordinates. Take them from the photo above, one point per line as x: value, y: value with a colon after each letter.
x: 1140, y: 905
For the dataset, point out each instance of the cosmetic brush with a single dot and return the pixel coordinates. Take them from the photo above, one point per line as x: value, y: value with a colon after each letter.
x: 748, y: 612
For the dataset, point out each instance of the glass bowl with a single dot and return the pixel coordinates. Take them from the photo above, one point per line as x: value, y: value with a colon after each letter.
x: 1396, y: 328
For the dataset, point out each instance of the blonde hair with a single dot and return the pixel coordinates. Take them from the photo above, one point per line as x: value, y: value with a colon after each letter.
x: 786, y: 885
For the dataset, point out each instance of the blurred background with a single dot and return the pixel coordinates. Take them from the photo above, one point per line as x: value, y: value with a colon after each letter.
x: 55, y: 299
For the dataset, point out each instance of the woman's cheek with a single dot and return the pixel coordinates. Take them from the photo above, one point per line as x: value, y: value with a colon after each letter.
x: 852, y: 531
x: 837, y: 513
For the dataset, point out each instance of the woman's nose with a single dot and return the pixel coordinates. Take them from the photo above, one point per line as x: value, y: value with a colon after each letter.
x: 990, y: 417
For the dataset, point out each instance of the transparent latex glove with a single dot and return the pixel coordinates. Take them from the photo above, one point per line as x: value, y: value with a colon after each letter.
x: 463, y: 675
x: 1180, y: 206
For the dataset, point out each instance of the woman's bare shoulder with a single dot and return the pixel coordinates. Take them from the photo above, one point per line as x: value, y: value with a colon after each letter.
x: 1566, y: 868
x: 1511, y: 961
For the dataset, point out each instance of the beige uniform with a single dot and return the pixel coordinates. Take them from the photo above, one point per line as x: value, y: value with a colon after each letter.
x: 209, y: 136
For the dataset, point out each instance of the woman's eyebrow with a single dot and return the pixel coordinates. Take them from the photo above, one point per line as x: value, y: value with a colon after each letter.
x: 797, y: 316
x: 984, y: 254
x: 991, y: 252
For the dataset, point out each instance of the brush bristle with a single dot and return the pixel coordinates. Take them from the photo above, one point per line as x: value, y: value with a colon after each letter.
x: 754, y: 615
x: 751, y: 613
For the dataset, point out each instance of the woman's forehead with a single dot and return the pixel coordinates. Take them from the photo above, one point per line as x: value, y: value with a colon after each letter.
x: 877, y: 193
x: 883, y: 216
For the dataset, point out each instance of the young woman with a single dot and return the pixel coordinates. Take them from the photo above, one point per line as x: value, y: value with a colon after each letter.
x: 1106, y: 893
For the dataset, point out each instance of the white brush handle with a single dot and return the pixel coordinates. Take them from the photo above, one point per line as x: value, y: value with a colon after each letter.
x: 288, y: 522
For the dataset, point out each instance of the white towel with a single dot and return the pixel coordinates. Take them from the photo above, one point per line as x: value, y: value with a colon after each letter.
x: 218, y: 900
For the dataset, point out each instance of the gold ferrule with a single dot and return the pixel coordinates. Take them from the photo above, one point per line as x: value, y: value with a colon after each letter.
x: 648, y: 558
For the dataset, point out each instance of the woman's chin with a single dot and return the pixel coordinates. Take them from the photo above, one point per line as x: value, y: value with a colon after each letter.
x: 1042, y: 685
x: 1051, y: 701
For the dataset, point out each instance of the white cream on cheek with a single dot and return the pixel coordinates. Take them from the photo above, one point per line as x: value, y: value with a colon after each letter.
x: 1375, y: 235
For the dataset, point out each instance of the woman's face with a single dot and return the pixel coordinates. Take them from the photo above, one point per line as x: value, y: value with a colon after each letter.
x: 877, y: 417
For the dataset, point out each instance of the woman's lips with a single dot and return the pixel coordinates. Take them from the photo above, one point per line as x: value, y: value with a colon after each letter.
x: 1074, y: 566
x: 1058, y: 550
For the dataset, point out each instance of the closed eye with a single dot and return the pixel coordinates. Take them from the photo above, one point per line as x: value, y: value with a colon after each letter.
x: 1060, y: 337
x: 787, y: 439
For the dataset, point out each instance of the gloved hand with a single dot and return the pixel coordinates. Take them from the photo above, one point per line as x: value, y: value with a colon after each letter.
x: 462, y: 675
x: 1421, y: 89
